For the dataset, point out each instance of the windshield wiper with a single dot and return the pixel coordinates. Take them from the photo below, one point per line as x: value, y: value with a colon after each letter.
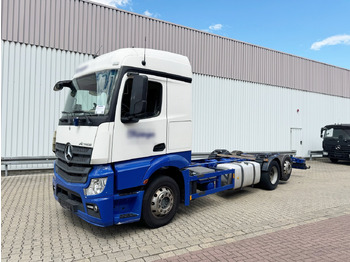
x: 88, y: 121
x: 69, y: 120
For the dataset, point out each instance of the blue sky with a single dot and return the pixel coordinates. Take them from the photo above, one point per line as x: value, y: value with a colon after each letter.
x: 318, y: 30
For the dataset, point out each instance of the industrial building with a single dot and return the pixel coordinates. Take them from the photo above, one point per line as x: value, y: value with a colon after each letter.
x: 245, y: 96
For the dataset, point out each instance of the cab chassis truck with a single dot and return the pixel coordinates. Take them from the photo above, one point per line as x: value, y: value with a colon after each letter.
x: 123, y: 143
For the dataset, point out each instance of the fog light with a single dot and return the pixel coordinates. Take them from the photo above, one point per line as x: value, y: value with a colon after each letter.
x: 92, y: 207
x: 325, y: 153
x: 89, y: 206
x: 97, y: 185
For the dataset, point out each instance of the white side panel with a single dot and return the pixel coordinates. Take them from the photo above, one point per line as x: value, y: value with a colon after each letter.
x: 180, y: 136
x: 247, y: 116
x: 30, y: 109
x: 179, y: 116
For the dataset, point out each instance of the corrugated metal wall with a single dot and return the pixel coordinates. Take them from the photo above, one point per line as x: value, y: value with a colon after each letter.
x: 238, y: 115
x: 226, y: 113
x: 84, y: 27
x: 30, y: 109
x: 45, y: 40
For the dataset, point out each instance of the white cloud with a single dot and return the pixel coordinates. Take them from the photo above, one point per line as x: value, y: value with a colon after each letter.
x: 147, y: 13
x: 332, y: 40
x: 215, y: 27
x: 114, y: 3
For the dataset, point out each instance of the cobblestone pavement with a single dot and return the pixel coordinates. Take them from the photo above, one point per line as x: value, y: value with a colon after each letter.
x: 34, y: 227
x: 327, y: 240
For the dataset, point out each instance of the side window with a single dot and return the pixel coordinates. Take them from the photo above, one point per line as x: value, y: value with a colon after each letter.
x: 154, y: 99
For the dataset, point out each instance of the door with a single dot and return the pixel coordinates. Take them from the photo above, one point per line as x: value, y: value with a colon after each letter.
x: 296, y: 140
x: 148, y: 136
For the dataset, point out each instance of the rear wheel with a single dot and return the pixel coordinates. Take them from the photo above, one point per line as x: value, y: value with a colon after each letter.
x: 270, y: 178
x: 334, y: 160
x: 160, y: 202
x: 286, y: 168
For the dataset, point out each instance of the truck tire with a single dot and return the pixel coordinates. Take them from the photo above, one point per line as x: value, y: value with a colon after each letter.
x: 334, y: 160
x: 270, y: 178
x: 286, y: 168
x: 160, y: 202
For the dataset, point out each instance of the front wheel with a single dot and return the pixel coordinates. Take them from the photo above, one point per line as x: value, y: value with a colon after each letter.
x: 270, y: 178
x: 160, y: 202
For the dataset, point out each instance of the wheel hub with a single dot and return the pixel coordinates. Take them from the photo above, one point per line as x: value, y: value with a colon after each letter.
x: 273, y: 175
x: 287, y: 168
x: 162, y: 201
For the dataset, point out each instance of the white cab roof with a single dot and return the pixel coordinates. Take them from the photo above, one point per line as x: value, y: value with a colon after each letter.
x: 155, y: 60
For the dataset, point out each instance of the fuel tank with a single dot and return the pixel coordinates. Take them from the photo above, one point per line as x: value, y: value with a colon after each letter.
x: 247, y: 173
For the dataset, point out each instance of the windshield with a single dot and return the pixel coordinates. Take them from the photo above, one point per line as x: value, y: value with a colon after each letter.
x: 93, y: 93
x: 337, y: 132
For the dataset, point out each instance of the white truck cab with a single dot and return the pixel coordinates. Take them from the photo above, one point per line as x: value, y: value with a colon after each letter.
x: 102, y: 98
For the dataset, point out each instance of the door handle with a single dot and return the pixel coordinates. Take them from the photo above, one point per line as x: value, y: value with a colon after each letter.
x: 159, y: 147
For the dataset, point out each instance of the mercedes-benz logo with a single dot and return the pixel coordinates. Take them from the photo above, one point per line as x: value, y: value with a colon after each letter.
x: 68, y: 152
x: 337, y: 147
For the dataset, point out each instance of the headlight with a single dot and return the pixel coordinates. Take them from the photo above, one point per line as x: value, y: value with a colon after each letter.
x: 97, y: 185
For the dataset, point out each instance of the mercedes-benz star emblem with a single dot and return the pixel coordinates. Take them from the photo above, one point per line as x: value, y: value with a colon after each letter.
x: 337, y: 147
x: 68, y: 152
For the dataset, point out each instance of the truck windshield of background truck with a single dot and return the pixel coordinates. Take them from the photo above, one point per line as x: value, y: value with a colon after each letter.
x: 93, y: 93
x: 337, y: 133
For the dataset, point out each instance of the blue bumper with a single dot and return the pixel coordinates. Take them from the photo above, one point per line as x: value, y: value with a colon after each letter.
x: 103, y: 209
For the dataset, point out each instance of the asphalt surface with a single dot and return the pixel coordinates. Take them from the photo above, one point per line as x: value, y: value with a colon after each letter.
x: 304, y: 219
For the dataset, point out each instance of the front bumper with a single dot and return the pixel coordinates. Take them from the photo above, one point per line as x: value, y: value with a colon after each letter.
x: 337, y: 155
x: 97, y: 209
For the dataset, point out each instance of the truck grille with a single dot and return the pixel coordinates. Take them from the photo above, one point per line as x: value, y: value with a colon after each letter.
x: 76, y: 170
x: 343, y: 149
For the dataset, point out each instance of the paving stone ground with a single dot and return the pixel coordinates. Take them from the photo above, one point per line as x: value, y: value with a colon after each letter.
x: 327, y: 240
x: 34, y: 227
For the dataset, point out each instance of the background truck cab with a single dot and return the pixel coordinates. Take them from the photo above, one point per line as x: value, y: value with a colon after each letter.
x: 336, y: 142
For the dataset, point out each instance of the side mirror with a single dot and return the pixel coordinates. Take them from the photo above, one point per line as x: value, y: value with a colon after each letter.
x: 138, y: 100
x: 60, y: 84
x: 322, y: 129
x: 66, y: 83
